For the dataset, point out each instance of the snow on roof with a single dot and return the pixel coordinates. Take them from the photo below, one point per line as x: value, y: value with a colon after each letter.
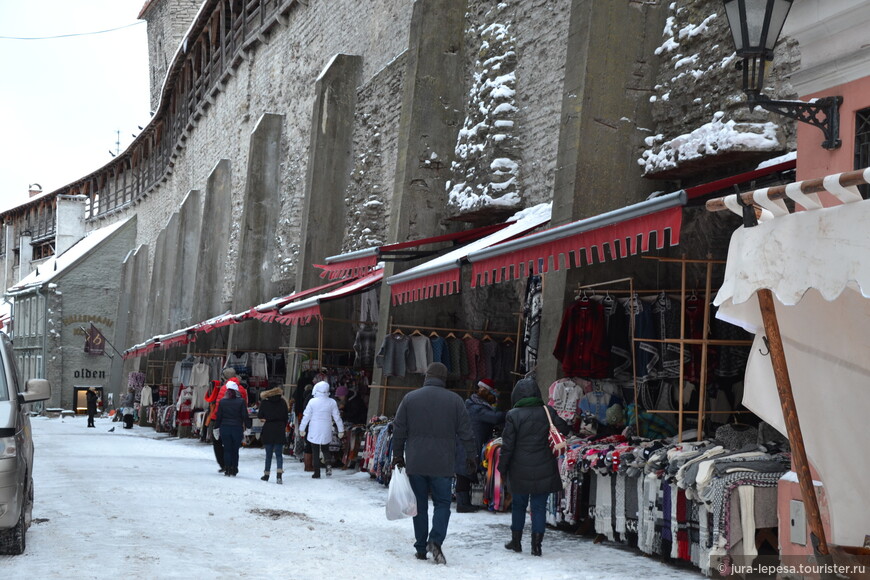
x: 56, y: 265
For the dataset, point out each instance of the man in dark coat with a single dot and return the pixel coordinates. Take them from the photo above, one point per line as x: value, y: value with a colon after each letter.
x: 274, y: 414
x: 484, y: 419
x: 527, y: 463
x: 92, y: 397
x: 427, y: 425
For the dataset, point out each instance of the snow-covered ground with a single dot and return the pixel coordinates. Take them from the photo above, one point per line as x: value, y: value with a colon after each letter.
x: 137, y: 504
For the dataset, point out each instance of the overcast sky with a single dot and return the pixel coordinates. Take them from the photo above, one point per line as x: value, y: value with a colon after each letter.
x: 62, y: 100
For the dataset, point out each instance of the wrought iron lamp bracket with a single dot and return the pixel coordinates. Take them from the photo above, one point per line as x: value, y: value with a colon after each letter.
x: 808, y: 113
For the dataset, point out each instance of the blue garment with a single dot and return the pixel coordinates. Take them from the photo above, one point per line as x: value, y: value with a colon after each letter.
x: 440, y: 352
x: 278, y: 450
x: 440, y: 489
x: 519, y: 502
x: 231, y: 437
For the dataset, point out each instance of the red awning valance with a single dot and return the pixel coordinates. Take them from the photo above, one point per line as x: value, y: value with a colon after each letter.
x: 534, y: 254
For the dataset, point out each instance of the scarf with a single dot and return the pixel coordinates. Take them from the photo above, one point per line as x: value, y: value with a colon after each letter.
x: 530, y: 402
x: 478, y: 401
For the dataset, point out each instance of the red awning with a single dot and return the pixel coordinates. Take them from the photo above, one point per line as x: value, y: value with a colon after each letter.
x: 728, y: 182
x: 269, y: 311
x: 360, y: 262
x: 440, y: 276
x: 619, y: 230
x: 303, y: 311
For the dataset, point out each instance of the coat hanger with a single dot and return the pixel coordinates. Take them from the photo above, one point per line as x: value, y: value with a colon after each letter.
x: 451, y: 335
x: 466, y: 335
x: 416, y: 333
x: 434, y: 334
x: 399, y: 332
x: 486, y: 337
x: 508, y: 340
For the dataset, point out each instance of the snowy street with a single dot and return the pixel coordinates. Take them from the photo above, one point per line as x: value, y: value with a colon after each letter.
x: 138, y: 504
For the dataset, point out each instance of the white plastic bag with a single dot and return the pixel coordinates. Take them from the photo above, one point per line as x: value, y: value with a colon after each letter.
x: 401, y: 501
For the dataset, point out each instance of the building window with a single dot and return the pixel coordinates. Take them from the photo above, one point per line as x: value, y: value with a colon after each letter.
x: 862, y: 146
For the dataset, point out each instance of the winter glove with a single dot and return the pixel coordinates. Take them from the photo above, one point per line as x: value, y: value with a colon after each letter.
x: 470, y: 465
x: 216, y: 433
x: 302, y: 434
x: 341, y: 435
x: 398, y: 462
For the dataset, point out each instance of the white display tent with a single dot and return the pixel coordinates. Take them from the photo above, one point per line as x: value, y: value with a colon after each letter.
x: 816, y: 263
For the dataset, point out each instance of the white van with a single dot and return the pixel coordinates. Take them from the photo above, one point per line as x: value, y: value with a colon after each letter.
x: 16, y: 451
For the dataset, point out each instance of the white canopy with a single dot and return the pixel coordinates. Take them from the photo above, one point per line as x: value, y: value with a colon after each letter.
x: 817, y: 264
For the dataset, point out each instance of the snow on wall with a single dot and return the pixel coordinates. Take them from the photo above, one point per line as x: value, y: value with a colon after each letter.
x: 698, y: 106
x: 486, y: 171
x: 712, y: 138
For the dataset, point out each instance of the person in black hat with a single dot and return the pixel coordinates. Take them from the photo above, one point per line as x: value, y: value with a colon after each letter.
x: 428, y: 423
x: 485, y: 418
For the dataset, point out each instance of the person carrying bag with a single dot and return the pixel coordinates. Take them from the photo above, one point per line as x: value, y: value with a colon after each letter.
x: 527, y: 460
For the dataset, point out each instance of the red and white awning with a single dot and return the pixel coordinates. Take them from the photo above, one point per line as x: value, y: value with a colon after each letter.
x: 361, y: 262
x: 440, y: 276
x: 624, y: 231
x: 303, y: 311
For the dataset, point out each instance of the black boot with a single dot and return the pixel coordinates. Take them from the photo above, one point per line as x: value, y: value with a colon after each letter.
x: 463, y: 503
x: 536, y: 544
x: 514, y: 544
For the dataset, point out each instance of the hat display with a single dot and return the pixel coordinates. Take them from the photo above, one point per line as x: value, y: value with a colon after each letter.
x: 489, y: 385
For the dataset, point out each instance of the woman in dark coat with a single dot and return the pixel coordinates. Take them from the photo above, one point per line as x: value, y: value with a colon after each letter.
x: 274, y: 414
x: 232, y: 415
x: 92, y: 397
x: 527, y: 464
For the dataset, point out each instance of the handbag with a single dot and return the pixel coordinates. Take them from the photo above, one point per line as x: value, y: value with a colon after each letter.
x: 557, y: 442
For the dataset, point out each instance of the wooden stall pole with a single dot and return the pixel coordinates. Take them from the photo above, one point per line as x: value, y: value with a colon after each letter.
x: 705, y: 334
x: 792, y: 425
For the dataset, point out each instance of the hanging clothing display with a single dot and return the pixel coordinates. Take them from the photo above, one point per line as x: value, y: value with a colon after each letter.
x: 532, y: 308
x: 394, y: 355
x: 581, y: 345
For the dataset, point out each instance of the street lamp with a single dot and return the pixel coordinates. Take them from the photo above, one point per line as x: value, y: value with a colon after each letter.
x: 755, y: 27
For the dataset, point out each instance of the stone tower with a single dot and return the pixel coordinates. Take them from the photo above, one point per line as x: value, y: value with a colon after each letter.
x: 167, y: 20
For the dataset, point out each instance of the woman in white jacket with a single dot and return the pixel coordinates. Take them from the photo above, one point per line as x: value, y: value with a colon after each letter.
x: 317, y: 420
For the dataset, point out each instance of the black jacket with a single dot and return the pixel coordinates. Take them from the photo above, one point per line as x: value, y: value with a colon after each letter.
x: 92, y: 401
x: 273, y: 412
x: 232, y: 412
x: 428, y: 423
x: 526, y: 460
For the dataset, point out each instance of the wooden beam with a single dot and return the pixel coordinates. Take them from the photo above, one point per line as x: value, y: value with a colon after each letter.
x: 789, y: 412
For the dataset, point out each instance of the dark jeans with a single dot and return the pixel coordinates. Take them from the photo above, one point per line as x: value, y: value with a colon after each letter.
x: 316, y: 450
x: 217, y: 446
x: 539, y: 511
x: 440, y: 489
x: 231, y: 436
x: 91, y: 418
x: 278, y: 450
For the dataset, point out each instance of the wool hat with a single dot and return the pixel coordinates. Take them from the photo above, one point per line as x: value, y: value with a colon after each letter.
x: 232, y: 386
x: 436, y: 370
x: 228, y: 373
x: 489, y: 385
